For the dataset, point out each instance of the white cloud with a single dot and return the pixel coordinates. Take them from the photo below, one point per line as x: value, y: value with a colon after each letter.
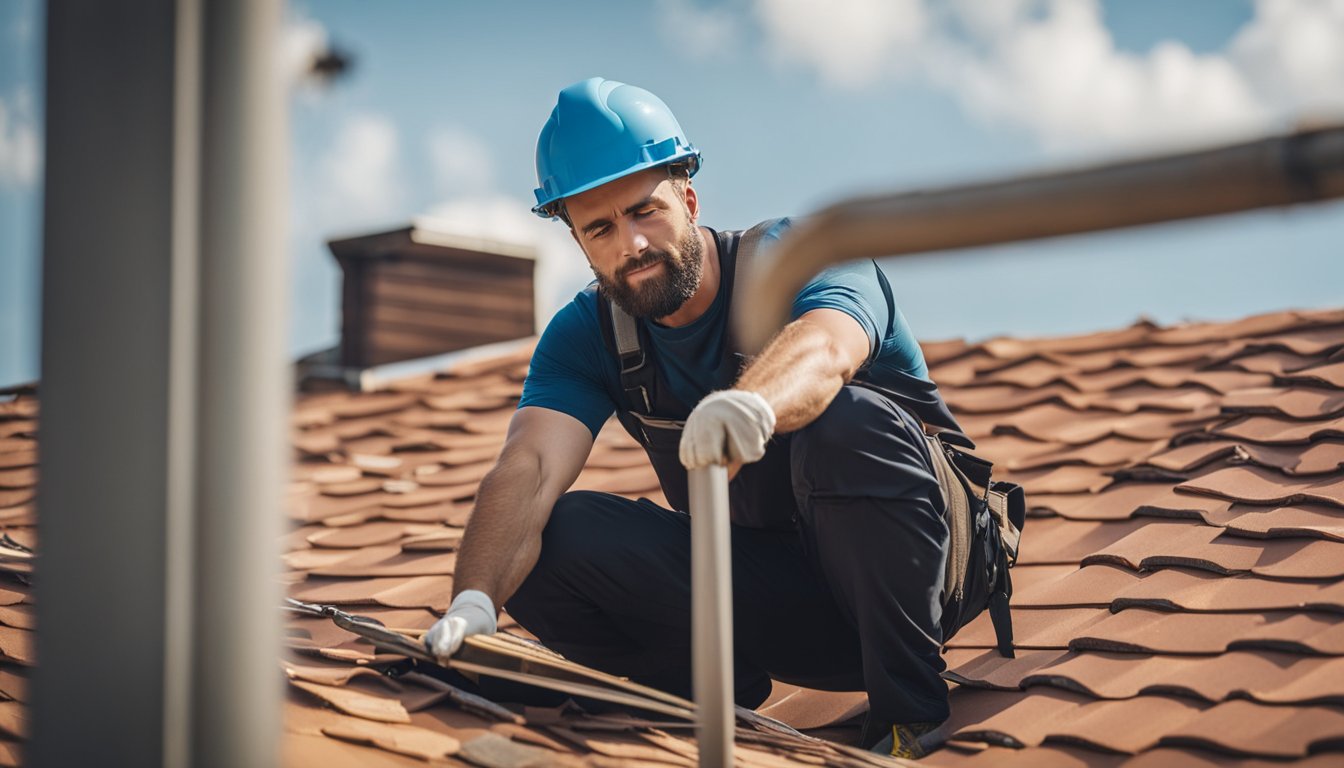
x: 1052, y: 67
x: 20, y: 146
x: 562, y: 269
x: 460, y: 161
x: 1293, y: 55
x: 302, y: 41
x: 358, y: 183
x: 701, y: 30
x: 851, y: 43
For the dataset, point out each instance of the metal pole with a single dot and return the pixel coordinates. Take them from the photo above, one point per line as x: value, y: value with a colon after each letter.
x: 712, y: 619
x: 108, y: 387
x: 164, y: 391
x: 1301, y: 167
x: 244, y: 388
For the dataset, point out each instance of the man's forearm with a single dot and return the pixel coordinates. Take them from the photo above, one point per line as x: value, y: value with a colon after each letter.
x: 503, y: 538
x: 799, y: 373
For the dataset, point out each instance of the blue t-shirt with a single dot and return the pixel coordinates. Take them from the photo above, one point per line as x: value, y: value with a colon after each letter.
x: 572, y: 371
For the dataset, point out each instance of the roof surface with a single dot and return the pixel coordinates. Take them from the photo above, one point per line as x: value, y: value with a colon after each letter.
x: 1179, y: 594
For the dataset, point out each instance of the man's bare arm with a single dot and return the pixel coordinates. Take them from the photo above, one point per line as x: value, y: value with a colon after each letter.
x: 805, y: 365
x: 542, y: 456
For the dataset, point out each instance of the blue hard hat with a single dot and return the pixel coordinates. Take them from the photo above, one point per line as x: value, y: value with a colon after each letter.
x: 601, y: 130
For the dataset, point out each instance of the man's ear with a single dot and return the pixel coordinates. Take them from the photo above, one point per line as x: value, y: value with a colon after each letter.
x: 579, y: 243
x: 692, y: 202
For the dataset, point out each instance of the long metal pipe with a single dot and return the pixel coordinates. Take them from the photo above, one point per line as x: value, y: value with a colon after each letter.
x: 712, y: 615
x: 244, y: 387
x: 1285, y: 170
x: 165, y: 386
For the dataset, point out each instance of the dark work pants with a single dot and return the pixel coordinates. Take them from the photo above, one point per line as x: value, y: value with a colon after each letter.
x: 850, y: 600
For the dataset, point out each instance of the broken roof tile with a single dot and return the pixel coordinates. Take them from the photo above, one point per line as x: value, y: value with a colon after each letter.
x: 409, y: 740
x: 356, y: 703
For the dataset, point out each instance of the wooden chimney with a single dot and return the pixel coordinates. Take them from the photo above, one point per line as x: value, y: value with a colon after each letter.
x: 416, y: 292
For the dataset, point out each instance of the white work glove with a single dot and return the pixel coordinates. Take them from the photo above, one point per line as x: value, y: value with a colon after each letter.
x: 472, y: 613
x: 730, y: 425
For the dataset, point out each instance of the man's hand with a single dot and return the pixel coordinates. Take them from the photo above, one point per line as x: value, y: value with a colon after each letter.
x: 472, y: 613
x: 731, y: 425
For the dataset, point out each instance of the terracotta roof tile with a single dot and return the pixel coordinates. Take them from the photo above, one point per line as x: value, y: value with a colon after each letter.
x: 1143, y: 630
x: 1258, y: 730
x: 1258, y: 485
x: 1011, y: 720
x: 1060, y: 540
x: 1330, y: 374
x: 1270, y: 430
x: 1305, y: 521
x: 1180, y: 595
x: 1124, y: 500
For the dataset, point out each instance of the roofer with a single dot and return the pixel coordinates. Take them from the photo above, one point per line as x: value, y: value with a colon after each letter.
x: 840, y: 545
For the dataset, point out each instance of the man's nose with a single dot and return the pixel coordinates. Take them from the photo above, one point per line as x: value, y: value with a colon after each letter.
x: 633, y: 242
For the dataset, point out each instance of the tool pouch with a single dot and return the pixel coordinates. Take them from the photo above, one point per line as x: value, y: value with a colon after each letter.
x: 985, y: 520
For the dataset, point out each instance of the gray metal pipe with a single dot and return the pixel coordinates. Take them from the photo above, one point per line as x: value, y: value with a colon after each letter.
x: 165, y: 386
x: 1301, y: 167
x: 712, y: 615
x: 244, y: 403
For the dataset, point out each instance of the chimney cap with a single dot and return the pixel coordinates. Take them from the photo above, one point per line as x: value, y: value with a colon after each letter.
x: 425, y: 231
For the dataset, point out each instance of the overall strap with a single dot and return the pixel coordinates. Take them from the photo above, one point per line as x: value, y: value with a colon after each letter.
x: 625, y: 335
x: 748, y: 245
x: 638, y: 377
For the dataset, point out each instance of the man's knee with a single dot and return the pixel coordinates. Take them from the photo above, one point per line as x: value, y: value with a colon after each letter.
x: 835, y: 429
x: 861, y: 445
x: 569, y: 531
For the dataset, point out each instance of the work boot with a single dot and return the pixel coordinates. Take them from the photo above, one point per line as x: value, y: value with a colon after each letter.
x: 904, y: 740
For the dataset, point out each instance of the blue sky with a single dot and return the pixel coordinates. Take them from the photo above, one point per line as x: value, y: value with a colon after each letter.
x: 793, y: 103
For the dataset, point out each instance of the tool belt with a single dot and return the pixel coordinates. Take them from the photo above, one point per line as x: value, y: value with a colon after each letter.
x: 984, y: 520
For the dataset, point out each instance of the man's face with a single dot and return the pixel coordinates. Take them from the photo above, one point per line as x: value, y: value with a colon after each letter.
x: 641, y: 241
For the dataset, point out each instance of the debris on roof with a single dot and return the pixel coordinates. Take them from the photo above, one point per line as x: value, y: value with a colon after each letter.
x: 1179, y: 594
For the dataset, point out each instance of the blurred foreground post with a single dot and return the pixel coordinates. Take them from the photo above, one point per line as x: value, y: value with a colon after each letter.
x: 165, y: 386
x: 712, y: 616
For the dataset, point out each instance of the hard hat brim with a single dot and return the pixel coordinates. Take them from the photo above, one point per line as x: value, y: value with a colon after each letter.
x: 544, y: 208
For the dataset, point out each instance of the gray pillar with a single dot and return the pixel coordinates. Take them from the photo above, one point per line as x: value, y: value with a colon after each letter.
x: 244, y: 374
x: 164, y: 386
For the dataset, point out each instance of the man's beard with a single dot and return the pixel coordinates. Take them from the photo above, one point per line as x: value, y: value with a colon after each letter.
x: 657, y: 295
